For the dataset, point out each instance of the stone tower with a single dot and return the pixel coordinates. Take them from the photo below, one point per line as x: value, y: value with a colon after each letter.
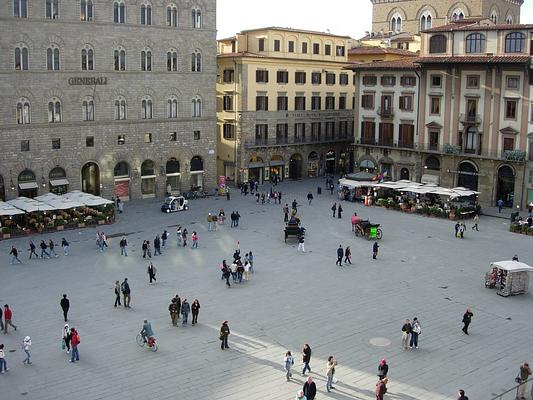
x: 414, y: 15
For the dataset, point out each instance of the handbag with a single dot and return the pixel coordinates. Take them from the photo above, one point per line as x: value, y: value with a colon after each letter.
x: 518, y: 379
x: 63, y: 346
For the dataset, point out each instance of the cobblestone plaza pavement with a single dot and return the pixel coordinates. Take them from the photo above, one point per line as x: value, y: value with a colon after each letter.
x: 354, y: 313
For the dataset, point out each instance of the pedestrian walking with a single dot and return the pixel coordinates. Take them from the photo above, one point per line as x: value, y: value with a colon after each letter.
x: 32, y: 250
x: 164, y: 238
x: 151, y: 271
x: 416, y: 330
x: 310, y: 197
x: 300, y: 395
x: 286, y: 213
x: 306, y: 359
x: 144, y: 248
x: 148, y: 249
x: 65, y: 334
x: 117, y: 293
x: 456, y: 227
x: 462, y: 395
x: 226, y: 273
x: 26, y: 344
x: 462, y: 228
x: 178, y: 303
x: 383, y: 369
x: 126, y: 292
x: 195, y: 309
x: 223, y: 336
x: 157, y: 246
x: 74, y: 343
x: 467, y: 319
x: 237, y: 218
x: 185, y: 310
x: 375, y: 249
x: 309, y: 389
x: 499, y: 203
x: 120, y: 206
x: 406, y: 331
x: 246, y: 273
x: 15, y: 255
x: 209, y: 222
x: 1, y: 320
x: 340, y: 254
x: 334, y: 209
x: 381, y: 388
x: 124, y: 246
x: 348, y: 255
x: 251, y: 261
x: 339, y: 211
x: 221, y: 217
x: 173, y: 310
x: 51, y: 246
x: 184, y: 234
x: 8, y: 317
x: 523, y: 375
x: 288, y: 362
x: 301, y: 243
x: 65, y: 245
x: 65, y: 305
x: 194, y: 238
x: 43, y: 249
x: 330, y: 372
x: 331, y: 188
x: 3, y: 363
x: 476, y: 222
x: 179, y: 235
x: 227, y: 193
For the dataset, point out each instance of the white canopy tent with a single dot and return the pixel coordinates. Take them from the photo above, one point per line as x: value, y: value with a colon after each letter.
x: 7, y: 209
x: 86, y: 199
x: 30, y: 205
x: 59, y: 202
x: 356, y: 184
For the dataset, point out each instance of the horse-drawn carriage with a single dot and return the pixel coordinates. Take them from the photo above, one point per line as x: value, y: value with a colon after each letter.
x: 368, y: 230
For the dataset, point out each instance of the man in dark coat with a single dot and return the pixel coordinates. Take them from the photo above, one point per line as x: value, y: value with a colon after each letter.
x: 309, y: 389
x: 467, y: 318
x: 375, y: 248
x: 334, y: 209
x: 340, y: 254
x: 65, y: 305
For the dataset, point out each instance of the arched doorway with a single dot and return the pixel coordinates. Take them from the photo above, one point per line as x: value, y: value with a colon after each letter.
x: 312, y: 164
x: 90, y: 178
x: 148, y: 178
x: 367, y: 166
x: 172, y: 170
x: 27, y: 184
x: 277, y: 167
x: 58, y: 181
x: 330, y: 162
x: 295, y: 166
x: 404, y: 174
x: 255, y: 169
x: 432, y: 163
x: 121, y: 176
x: 468, y: 175
x: 2, y: 189
x: 197, y: 172
x: 506, y: 180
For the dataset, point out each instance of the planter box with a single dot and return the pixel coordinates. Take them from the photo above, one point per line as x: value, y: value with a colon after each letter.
x: 6, y: 235
x: 81, y: 225
x: 101, y: 222
x: 60, y: 227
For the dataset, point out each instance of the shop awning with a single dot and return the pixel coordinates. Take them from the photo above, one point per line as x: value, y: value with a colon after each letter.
x: 356, y: 184
x: 277, y: 163
x: 86, y: 199
x: 58, y: 182
x: 28, y: 185
x: 30, y: 205
x: 256, y: 165
x: 7, y: 209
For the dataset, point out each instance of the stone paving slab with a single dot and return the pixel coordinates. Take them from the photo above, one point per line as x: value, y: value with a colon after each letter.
x: 292, y: 298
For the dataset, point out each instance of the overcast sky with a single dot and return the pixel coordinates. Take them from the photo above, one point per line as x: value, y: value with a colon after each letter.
x: 342, y: 17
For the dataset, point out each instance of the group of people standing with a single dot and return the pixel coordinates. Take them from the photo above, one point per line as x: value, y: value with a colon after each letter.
x: 181, y: 307
x: 240, y: 269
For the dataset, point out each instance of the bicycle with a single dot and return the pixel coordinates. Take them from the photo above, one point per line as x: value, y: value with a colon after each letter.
x: 151, y: 342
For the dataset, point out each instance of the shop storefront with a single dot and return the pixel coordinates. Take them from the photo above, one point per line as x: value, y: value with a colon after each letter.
x: 312, y: 164
x: 197, y: 173
x: 173, y: 175
x: 27, y: 184
x: 121, y: 175
x: 256, y: 166
x: 58, y: 183
x: 148, y: 179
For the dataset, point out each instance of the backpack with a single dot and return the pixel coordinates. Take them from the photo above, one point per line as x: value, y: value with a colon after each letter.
x: 123, y: 287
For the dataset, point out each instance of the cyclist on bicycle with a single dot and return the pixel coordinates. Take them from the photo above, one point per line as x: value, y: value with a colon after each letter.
x: 147, y: 331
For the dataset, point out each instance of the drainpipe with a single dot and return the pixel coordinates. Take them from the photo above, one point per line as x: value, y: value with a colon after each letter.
x: 418, y: 113
x: 237, y: 122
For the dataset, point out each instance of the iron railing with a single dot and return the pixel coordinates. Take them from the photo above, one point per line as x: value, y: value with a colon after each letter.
x: 273, y: 142
x: 512, y: 393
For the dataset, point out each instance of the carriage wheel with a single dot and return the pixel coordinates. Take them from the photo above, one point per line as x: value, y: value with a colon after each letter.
x: 379, y: 234
x: 367, y: 235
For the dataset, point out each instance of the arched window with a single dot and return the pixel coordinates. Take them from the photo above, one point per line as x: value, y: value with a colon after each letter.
x: 146, y: 108
x: 52, y: 9
x: 86, y: 10
x: 196, y: 107
x: 54, y: 110
x: 432, y: 163
x: 20, y: 8
x: 172, y: 107
x: 172, y: 16
x: 396, y: 23
x: 173, y: 166
x: 148, y: 168
x: 87, y: 109
x: 146, y: 14
x: 120, y: 108
x: 87, y: 59
x: 119, y: 12
x: 475, y: 43
x: 196, y: 18
x: 122, y: 170
x: 197, y: 164
x: 21, y: 58
x: 23, y: 111
x: 196, y: 61
x: 515, y: 42
x: 494, y: 16
x: 146, y: 60
x: 119, y: 59
x: 468, y: 176
x: 172, y: 60
x: 52, y: 58
x: 437, y: 44
x: 367, y: 165
x: 458, y: 14
x: 510, y: 20
x: 426, y: 20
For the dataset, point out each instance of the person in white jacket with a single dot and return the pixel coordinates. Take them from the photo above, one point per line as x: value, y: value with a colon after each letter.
x: 26, y: 344
x: 288, y: 362
x: 3, y: 364
x: 66, y: 337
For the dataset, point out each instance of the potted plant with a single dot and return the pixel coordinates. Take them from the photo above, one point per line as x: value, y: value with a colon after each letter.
x: 6, y: 232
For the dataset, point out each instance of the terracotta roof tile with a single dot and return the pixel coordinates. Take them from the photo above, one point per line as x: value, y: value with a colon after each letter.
x: 363, y: 50
x: 476, y: 25
x: 473, y: 59
x: 409, y: 63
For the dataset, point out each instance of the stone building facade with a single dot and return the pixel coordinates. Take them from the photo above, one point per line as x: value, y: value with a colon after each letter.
x: 285, y: 105
x: 415, y: 15
x: 108, y: 97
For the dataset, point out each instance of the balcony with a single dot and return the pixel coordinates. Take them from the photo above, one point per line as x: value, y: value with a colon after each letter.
x: 452, y: 150
x: 386, y: 142
x: 385, y: 112
x: 280, y: 142
x: 470, y: 119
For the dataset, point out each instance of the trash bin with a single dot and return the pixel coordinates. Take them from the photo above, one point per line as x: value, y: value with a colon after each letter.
x: 319, y: 190
x: 514, y: 216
